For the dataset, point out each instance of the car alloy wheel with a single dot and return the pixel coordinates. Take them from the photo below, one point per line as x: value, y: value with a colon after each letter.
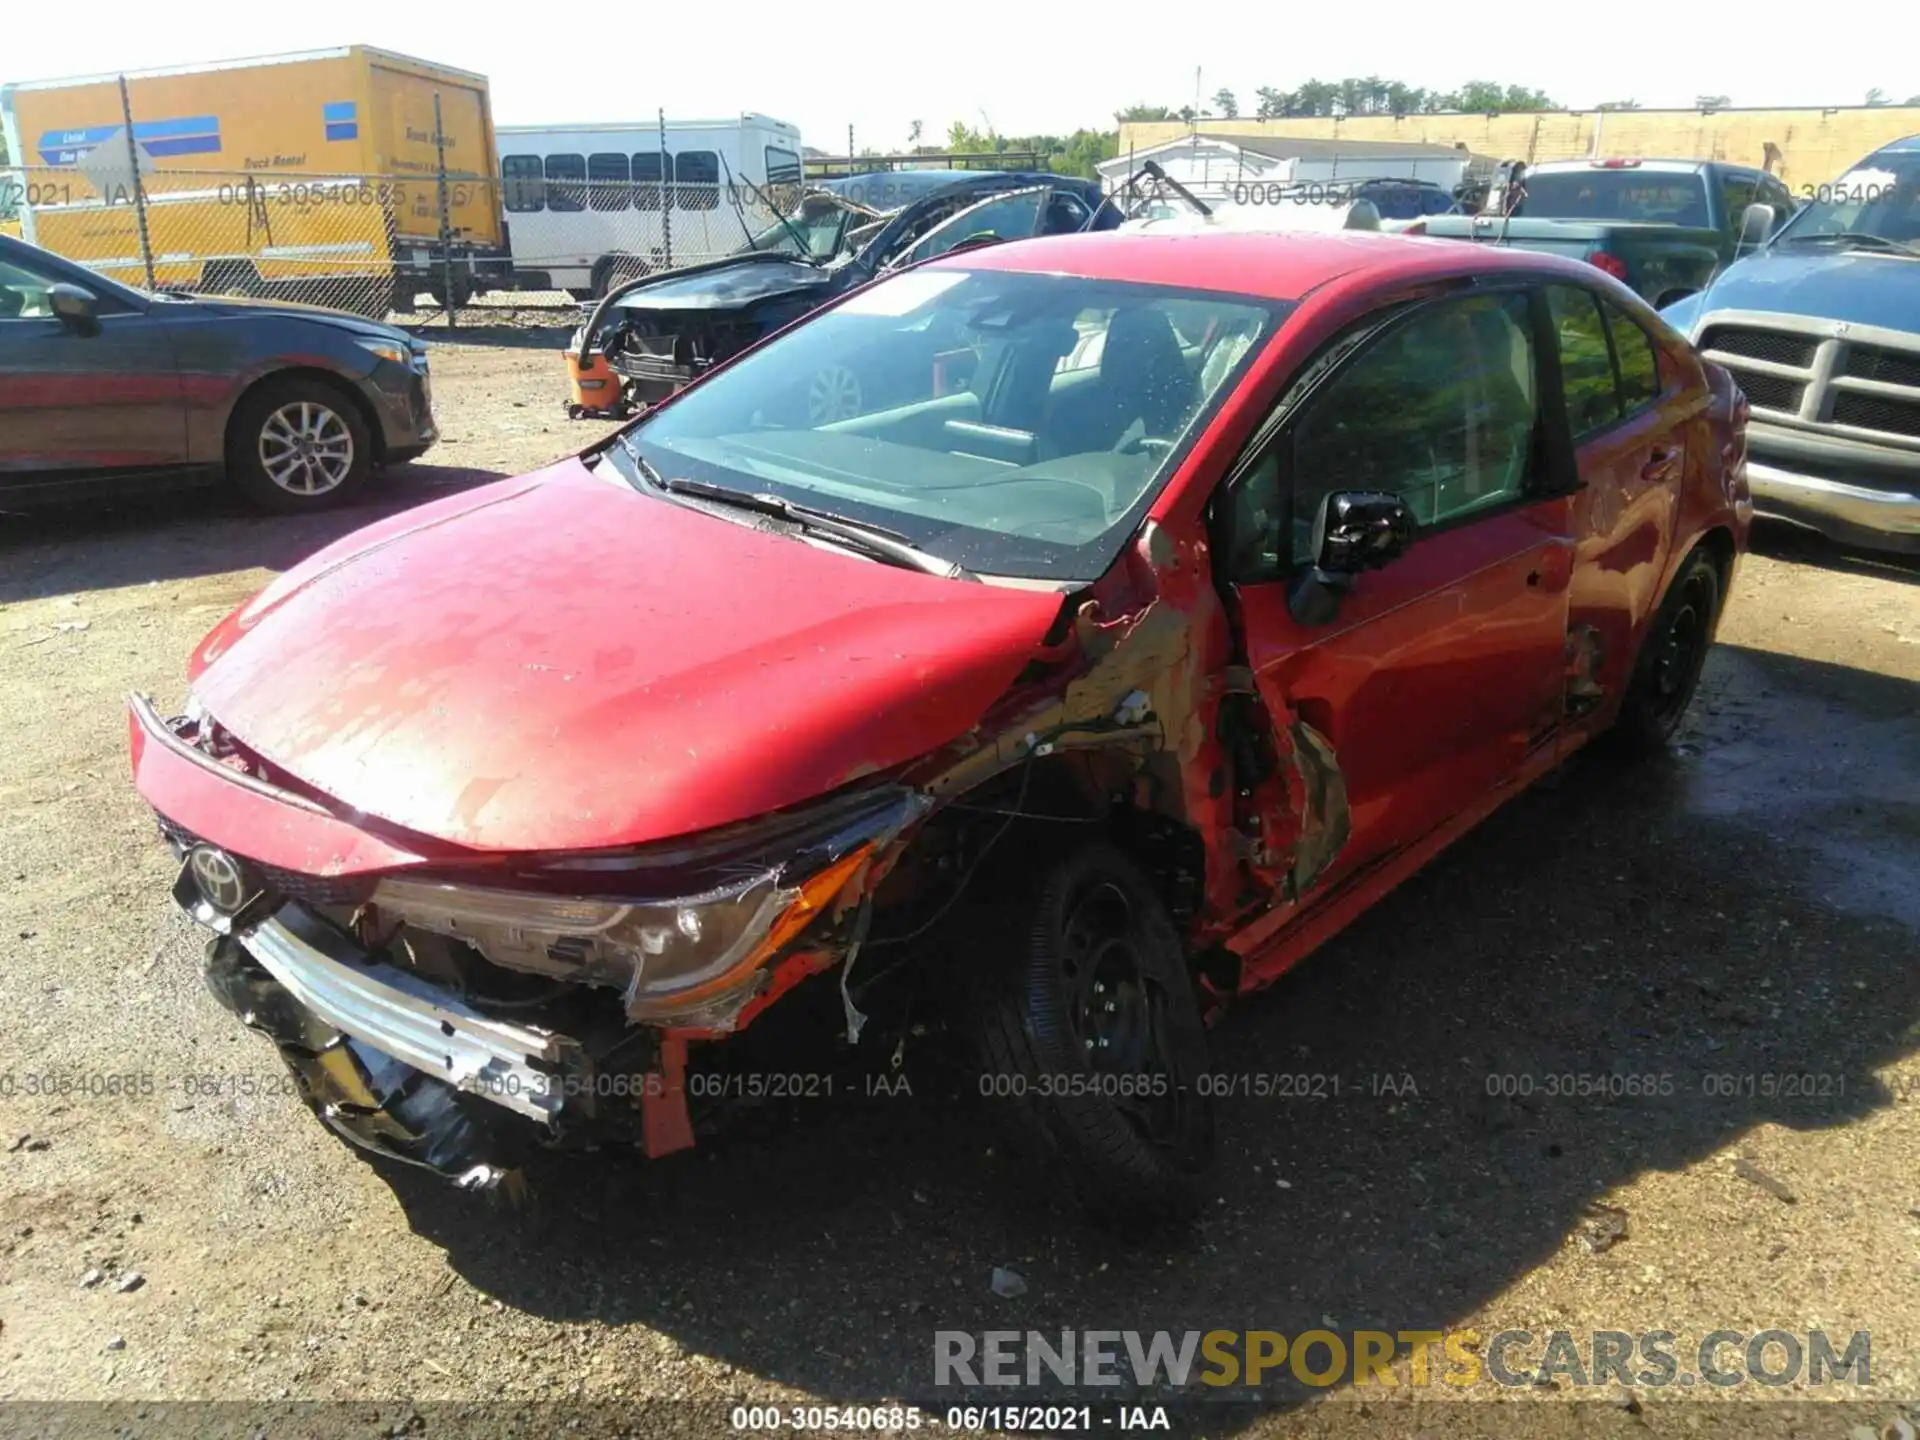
x: 306, y: 449
x: 833, y: 394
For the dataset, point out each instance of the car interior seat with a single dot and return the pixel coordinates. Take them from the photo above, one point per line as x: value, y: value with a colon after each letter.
x: 1144, y: 389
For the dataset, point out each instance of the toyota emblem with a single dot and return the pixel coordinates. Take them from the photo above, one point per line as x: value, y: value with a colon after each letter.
x: 219, y: 878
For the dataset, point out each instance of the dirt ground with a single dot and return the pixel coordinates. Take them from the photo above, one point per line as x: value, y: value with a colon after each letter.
x: 1749, y: 909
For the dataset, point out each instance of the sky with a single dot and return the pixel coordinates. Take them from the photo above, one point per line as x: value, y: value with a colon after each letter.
x: 1016, y: 66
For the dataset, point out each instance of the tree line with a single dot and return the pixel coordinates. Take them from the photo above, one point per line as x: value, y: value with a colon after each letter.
x: 1356, y: 95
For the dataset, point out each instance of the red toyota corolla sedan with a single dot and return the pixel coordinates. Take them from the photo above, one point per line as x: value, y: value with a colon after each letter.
x: 1167, y: 601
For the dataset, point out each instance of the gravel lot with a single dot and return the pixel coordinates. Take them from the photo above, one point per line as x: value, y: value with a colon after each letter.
x: 1749, y: 909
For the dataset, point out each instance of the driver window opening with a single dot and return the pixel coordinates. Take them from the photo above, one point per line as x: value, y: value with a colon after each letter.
x: 1442, y: 412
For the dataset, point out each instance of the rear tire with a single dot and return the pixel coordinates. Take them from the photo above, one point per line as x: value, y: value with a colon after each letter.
x: 1092, y: 1044
x: 1667, y: 670
x: 298, y: 445
x: 461, y: 295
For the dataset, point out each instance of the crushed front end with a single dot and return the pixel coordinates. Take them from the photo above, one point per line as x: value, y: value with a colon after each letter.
x: 461, y: 1011
x: 661, y: 353
x: 660, y: 332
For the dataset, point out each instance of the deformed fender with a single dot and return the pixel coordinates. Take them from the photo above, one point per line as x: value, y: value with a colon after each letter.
x: 1324, y: 816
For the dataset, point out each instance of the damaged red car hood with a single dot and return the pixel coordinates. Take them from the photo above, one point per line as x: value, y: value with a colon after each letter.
x: 559, y: 662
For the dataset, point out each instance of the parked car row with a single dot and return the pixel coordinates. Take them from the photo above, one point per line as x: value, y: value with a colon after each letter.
x: 1805, y: 301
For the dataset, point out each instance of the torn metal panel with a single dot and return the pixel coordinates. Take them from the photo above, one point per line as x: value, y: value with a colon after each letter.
x: 1586, y: 662
x: 1324, y: 816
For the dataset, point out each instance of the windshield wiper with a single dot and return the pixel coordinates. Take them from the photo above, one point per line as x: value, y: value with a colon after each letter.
x: 649, y: 476
x: 884, y: 544
x: 1854, y: 237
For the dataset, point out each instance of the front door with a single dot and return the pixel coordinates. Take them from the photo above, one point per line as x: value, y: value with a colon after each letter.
x: 74, y: 405
x: 1441, y: 670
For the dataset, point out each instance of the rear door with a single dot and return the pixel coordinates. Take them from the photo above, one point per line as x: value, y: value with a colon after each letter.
x: 73, y: 405
x: 1440, y: 671
x: 1627, y: 421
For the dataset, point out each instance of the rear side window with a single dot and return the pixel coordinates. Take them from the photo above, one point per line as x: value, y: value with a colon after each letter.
x: 1609, y: 367
x: 698, y: 172
x: 1633, y: 352
x: 522, y: 185
x: 608, y: 186
x: 566, y: 182
x: 1586, y: 359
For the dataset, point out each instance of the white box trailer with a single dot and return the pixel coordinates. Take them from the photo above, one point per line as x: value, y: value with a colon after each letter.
x: 588, y: 206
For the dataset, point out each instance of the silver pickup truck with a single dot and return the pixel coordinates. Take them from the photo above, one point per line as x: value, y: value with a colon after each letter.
x: 1821, y: 328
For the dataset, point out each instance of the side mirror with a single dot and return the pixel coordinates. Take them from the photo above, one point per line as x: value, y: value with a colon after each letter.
x: 1355, y: 530
x: 1756, y: 223
x: 1361, y: 530
x: 76, y: 308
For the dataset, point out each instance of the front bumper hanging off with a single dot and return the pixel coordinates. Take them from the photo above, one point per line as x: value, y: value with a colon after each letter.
x: 388, y: 1059
x: 390, y: 1062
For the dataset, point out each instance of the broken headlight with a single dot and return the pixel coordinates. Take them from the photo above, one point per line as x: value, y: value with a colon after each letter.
x: 677, y: 955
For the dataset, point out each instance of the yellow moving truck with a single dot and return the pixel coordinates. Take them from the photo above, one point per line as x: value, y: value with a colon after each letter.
x: 315, y: 176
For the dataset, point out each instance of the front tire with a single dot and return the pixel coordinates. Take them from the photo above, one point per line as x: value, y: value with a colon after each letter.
x: 298, y: 445
x: 614, y: 271
x: 1667, y: 670
x: 1093, y: 1045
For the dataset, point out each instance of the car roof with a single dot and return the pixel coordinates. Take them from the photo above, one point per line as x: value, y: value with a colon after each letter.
x: 1627, y: 164
x: 908, y: 186
x: 1272, y: 266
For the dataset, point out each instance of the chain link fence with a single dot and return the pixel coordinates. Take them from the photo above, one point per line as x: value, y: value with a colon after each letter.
x: 428, y: 250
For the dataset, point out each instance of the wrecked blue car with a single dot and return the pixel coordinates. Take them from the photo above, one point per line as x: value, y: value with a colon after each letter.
x: 661, y: 332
